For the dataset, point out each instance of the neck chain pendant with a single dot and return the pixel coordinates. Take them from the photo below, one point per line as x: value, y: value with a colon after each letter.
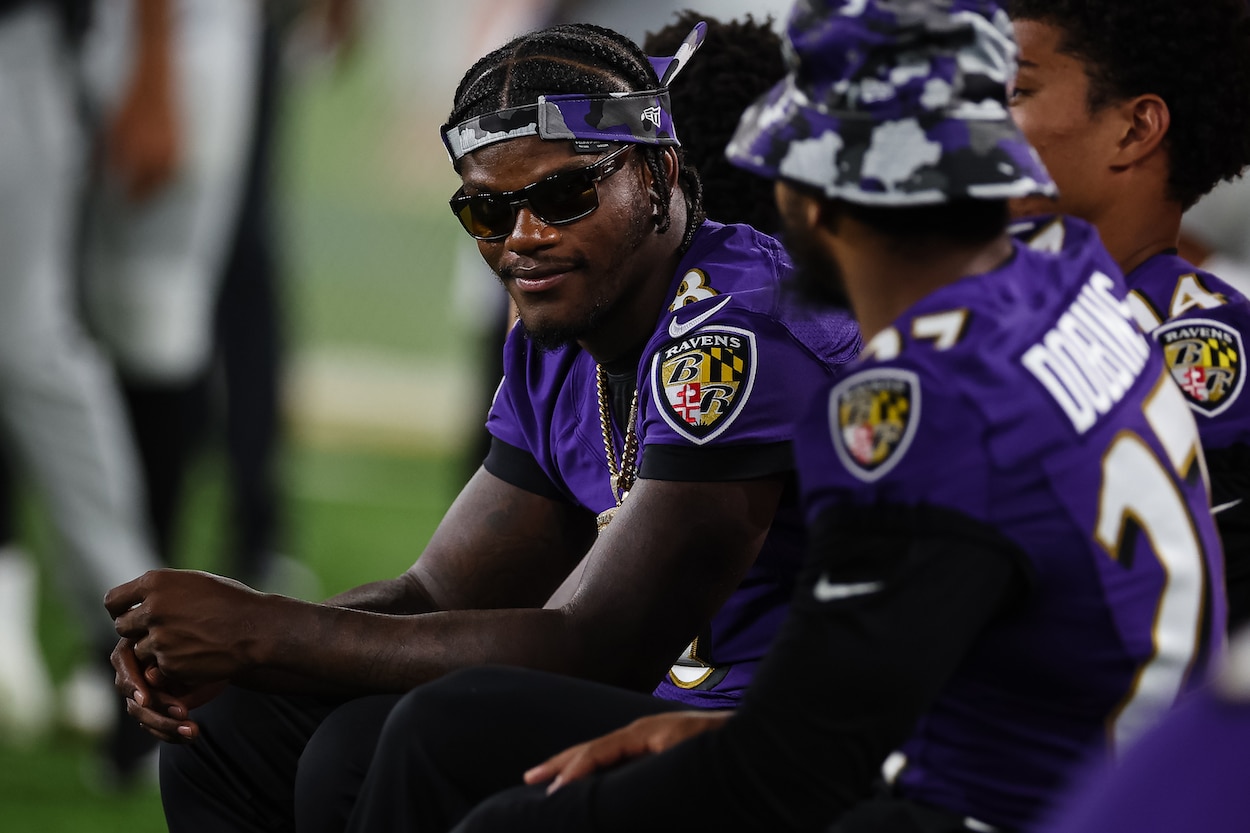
x: 624, y: 475
x: 605, y: 517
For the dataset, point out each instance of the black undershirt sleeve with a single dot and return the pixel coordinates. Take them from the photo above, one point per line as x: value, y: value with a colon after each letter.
x: 889, y: 603
x: 715, y: 463
x: 518, y: 467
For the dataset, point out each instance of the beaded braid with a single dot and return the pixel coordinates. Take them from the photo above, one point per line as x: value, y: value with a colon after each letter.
x: 576, y: 58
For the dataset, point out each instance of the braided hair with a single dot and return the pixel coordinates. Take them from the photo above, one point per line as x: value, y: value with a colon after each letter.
x: 575, y: 58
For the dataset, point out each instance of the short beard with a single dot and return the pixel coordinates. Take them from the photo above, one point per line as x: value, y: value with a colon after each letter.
x: 552, y: 339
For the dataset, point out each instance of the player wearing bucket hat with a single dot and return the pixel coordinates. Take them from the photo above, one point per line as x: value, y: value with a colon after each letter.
x: 1012, y: 564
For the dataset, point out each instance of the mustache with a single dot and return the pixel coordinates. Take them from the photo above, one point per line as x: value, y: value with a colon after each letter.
x: 530, y: 269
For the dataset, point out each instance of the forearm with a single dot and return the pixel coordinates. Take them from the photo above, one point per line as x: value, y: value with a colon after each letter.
x: 320, y: 649
x: 399, y: 596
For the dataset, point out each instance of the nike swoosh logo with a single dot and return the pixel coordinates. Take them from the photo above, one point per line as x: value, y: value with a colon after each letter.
x: 676, y: 330
x: 1215, y: 510
x: 826, y: 591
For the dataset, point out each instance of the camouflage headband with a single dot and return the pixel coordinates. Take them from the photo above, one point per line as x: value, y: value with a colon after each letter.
x: 643, y: 117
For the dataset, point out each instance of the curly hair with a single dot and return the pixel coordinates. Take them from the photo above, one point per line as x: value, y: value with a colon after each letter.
x: 575, y: 58
x: 1195, y: 56
x: 737, y: 63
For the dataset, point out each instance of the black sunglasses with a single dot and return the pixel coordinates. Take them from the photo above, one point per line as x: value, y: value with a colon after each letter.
x: 557, y: 200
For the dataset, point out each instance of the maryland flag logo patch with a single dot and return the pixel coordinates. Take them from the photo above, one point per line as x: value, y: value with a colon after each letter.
x: 873, y: 417
x: 1206, y: 359
x: 701, y: 381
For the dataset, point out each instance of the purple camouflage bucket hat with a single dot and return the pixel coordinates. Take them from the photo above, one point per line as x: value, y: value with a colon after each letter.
x: 894, y: 103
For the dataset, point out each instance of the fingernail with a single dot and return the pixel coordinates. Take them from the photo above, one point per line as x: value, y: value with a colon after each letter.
x: 185, y: 731
x: 556, y: 784
x: 139, y: 698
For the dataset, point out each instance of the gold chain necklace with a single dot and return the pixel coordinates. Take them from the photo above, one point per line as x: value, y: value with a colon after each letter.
x: 622, y: 476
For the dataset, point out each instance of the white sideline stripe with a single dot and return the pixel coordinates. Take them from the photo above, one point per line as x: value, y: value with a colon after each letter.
x: 377, y: 400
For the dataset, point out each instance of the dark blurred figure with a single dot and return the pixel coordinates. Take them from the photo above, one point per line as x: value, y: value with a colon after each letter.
x: 250, y: 345
x: 60, y: 413
x: 249, y: 361
x: 738, y: 62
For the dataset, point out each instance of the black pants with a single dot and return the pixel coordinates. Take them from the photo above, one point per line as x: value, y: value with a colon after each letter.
x: 442, y: 752
x: 417, y: 762
x: 443, y: 764
x: 530, y: 810
x: 269, y: 763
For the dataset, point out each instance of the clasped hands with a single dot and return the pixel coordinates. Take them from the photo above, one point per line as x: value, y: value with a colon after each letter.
x: 184, y: 634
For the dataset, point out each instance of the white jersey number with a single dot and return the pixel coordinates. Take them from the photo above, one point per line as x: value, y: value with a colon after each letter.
x: 1139, y: 492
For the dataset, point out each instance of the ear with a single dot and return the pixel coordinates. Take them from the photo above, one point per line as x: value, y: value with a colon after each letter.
x: 1146, y: 121
x: 671, y: 166
x: 799, y: 208
x: 669, y: 157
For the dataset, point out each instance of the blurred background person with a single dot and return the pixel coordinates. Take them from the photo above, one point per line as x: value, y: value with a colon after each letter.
x: 172, y: 87
x: 59, y: 407
x: 168, y: 87
x: 181, y: 263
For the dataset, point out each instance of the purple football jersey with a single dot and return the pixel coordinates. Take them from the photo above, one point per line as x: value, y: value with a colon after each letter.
x: 1201, y: 323
x: 1199, y: 320
x: 1026, y: 399
x: 729, y: 368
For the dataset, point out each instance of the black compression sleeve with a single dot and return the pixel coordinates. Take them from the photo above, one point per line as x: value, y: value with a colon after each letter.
x: 889, y: 603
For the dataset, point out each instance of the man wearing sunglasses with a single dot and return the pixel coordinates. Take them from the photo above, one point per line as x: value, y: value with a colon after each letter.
x: 637, y: 505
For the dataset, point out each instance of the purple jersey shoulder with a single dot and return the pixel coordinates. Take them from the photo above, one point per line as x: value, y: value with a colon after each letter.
x: 1202, y: 323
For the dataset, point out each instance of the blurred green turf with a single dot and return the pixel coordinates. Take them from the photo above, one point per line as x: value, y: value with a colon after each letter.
x: 41, y: 792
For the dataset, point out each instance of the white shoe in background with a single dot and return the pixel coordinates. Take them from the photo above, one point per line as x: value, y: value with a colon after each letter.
x: 89, y: 700
x: 27, y: 702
